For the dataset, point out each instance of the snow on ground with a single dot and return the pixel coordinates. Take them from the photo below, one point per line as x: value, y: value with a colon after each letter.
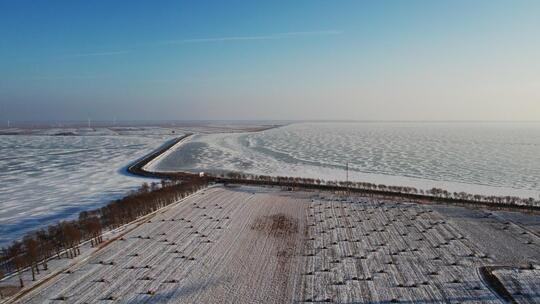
x: 375, y: 251
x: 522, y: 284
x: 216, y: 247
x: 262, y: 245
x: 490, y: 159
x: 512, y: 237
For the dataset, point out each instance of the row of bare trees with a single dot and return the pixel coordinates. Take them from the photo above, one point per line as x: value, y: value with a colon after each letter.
x: 65, y: 238
x: 434, y: 192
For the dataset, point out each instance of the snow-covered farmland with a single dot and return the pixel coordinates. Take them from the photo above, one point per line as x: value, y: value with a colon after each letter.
x: 263, y: 245
x: 217, y: 246
x: 522, y: 284
x: 375, y: 251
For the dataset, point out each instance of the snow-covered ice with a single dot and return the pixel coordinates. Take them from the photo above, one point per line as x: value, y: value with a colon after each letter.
x: 48, y: 178
x: 51, y: 174
x: 478, y: 158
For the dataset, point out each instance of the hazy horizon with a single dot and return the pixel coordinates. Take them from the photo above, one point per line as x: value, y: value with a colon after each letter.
x: 142, y: 122
x: 240, y: 60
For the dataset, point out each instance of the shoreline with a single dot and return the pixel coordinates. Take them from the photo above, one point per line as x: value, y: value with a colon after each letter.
x: 300, y: 150
x: 138, y: 169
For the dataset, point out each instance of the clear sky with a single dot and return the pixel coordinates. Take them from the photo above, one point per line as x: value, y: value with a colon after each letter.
x: 360, y: 60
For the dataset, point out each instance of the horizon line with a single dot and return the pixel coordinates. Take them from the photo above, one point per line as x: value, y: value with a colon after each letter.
x: 85, y: 120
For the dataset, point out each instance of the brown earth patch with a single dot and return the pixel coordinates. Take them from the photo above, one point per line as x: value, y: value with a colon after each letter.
x: 278, y: 225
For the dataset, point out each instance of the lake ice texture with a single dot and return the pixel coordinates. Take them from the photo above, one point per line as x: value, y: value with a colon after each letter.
x: 44, y: 179
x: 479, y: 158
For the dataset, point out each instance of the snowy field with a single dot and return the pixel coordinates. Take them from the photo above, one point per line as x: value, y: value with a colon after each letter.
x: 262, y: 245
x: 481, y: 158
x: 522, y: 284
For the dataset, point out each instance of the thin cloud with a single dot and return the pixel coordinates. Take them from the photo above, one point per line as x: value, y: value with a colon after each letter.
x: 100, y: 54
x: 65, y: 77
x: 277, y: 36
x: 260, y: 37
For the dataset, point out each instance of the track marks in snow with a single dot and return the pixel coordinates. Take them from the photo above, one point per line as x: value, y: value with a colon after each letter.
x: 262, y: 245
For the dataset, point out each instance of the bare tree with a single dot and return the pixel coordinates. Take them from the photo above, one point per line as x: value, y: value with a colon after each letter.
x: 1, y: 277
x: 31, y: 255
x: 15, y: 254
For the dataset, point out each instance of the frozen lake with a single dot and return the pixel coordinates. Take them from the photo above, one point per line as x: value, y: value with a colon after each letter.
x: 481, y: 158
x: 52, y: 174
x: 48, y: 178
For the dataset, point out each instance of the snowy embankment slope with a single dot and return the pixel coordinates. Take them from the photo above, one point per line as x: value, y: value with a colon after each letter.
x: 149, y: 166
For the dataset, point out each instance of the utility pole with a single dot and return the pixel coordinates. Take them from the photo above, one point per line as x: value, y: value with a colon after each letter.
x: 347, y: 172
x: 88, y: 122
x: 347, y: 176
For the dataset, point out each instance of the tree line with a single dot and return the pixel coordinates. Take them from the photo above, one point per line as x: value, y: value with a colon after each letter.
x: 381, y: 188
x: 34, y: 250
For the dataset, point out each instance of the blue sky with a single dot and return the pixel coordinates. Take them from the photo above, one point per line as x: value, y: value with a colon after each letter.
x: 362, y: 60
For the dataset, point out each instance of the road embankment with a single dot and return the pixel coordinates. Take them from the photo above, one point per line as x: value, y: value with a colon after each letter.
x: 139, y: 166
